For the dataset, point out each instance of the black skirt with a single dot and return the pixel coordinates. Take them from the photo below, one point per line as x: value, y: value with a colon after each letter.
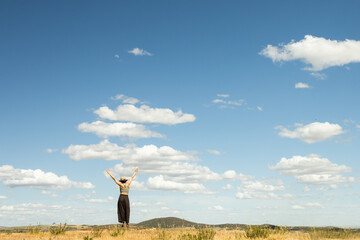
x: 123, y: 209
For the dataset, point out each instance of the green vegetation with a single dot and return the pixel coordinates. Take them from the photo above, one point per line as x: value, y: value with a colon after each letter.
x: 203, y: 234
x: 116, y: 231
x: 96, y: 232
x: 162, y: 235
x: 256, y: 232
x: 34, y: 229
x: 88, y: 238
x: 316, y: 234
x: 280, y: 230
x: 61, y: 229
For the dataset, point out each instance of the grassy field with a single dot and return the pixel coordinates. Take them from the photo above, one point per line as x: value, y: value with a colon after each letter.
x: 112, y: 233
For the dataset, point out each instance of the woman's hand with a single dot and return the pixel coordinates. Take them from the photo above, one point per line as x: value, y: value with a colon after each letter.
x: 136, y: 170
x: 108, y: 172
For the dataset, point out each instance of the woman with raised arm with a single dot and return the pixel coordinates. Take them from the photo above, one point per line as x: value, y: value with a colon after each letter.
x: 123, y: 205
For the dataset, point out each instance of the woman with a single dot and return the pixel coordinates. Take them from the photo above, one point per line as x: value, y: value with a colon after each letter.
x: 123, y: 206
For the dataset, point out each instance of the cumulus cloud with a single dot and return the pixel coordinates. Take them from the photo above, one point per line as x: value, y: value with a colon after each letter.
x: 174, y: 171
x: 51, y: 150
x: 228, y: 187
x: 140, y: 52
x: 138, y: 185
x: 172, y: 165
x: 318, y: 52
x: 159, y: 183
x: 13, y: 177
x: 127, y: 129
x: 100, y: 200
x: 128, y: 154
x: 313, y: 169
x: 239, y: 102
x: 259, y: 189
x: 297, y: 207
x: 217, y: 208
x: 223, y: 102
x: 232, y: 175
x: 301, y: 85
x: 125, y: 99
x: 214, y: 152
x: 313, y: 132
x: 318, y: 75
x: 3, y: 197
x: 144, y: 114
x: 139, y: 204
x: 307, y: 206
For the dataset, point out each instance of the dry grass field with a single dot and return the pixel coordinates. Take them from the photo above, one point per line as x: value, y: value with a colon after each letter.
x: 113, y: 233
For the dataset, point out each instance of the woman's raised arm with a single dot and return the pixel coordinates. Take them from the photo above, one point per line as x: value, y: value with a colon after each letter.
x: 136, y: 170
x: 116, y: 181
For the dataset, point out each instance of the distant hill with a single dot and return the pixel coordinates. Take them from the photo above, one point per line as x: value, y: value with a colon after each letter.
x: 168, y: 222
x: 173, y: 222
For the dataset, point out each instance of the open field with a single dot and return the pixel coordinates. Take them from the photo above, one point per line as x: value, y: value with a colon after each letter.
x: 113, y: 232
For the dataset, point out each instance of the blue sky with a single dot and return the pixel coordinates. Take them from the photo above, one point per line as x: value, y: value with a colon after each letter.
x: 234, y: 111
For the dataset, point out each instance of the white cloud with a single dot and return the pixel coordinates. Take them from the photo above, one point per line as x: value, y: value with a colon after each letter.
x: 3, y: 197
x: 128, y: 129
x: 357, y: 126
x: 314, y: 205
x: 140, y: 52
x: 229, y: 103
x: 319, y: 52
x: 228, y: 187
x: 54, y: 195
x: 50, y: 150
x: 313, y: 169
x: 301, y: 85
x: 288, y: 195
x: 232, y: 175
x: 128, y: 154
x: 173, y: 165
x: 307, y: 189
x: 313, y: 132
x: 219, y: 101
x: 223, y: 95
x: 13, y: 177
x: 138, y: 185
x: 144, y: 114
x: 217, y: 208
x: 318, y: 75
x: 215, y: 152
x: 330, y: 186
x: 259, y: 108
x: 139, y: 204
x: 100, y: 200
x: 159, y: 183
x: 236, y: 102
x: 307, y: 206
x: 174, y: 171
x: 117, y: 56
x: 259, y: 190
x: 32, y: 209
x: 125, y: 99
x: 298, y: 207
